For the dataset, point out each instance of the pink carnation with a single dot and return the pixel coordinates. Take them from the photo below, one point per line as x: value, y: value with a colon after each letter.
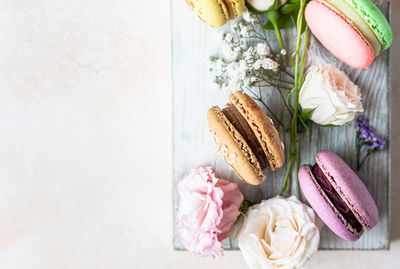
x: 207, y: 210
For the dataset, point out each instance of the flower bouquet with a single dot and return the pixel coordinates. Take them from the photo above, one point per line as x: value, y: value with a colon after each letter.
x: 288, y: 98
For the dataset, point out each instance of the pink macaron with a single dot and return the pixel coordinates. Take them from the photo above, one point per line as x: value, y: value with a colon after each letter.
x: 338, y: 196
x: 339, y: 35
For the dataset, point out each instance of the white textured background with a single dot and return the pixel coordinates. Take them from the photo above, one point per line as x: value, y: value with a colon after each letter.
x: 85, y: 140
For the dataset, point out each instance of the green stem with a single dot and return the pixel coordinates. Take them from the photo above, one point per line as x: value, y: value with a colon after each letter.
x: 273, y: 17
x: 363, y: 160
x: 298, y: 76
x: 286, y: 72
x: 245, y: 207
x: 287, y: 174
x: 280, y: 41
x: 303, y: 55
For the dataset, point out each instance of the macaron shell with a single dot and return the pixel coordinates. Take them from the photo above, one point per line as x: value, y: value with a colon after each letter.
x: 338, y: 35
x: 239, y: 7
x: 262, y: 127
x: 378, y: 22
x: 212, y: 12
x: 233, y: 147
x: 349, y: 187
x: 359, y: 22
x: 321, y: 205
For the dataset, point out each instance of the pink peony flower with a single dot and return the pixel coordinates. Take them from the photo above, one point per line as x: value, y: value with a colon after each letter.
x: 207, y: 210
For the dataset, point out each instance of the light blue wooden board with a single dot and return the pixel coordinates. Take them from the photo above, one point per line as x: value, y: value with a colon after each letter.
x: 193, y: 42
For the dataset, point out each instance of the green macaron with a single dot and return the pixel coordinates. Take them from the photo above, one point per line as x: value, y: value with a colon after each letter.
x: 376, y: 20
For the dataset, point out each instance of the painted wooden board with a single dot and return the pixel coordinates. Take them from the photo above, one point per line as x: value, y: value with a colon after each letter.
x: 193, y: 42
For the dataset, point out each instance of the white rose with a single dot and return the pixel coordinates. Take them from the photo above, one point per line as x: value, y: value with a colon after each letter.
x: 335, y: 98
x: 278, y: 233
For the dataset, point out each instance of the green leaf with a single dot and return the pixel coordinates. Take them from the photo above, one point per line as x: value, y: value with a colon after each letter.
x: 283, y: 22
x: 332, y: 125
x: 289, y: 8
x: 275, y: 6
x: 307, y: 113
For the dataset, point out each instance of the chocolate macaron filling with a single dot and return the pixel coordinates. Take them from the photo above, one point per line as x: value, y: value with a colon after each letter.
x: 240, y: 123
x: 335, y: 198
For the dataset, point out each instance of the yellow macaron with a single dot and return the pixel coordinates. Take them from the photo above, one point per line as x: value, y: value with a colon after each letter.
x: 217, y: 12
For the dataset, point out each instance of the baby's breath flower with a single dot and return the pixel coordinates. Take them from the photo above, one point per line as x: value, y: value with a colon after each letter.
x: 269, y: 64
x: 245, y: 31
x: 243, y: 66
x: 221, y: 36
x: 228, y: 52
x: 263, y: 49
x: 257, y: 65
x: 249, y: 53
x: 218, y: 66
x: 234, y: 26
x: 246, y: 82
x: 248, y: 17
x: 230, y: 69
x: 229, y: 37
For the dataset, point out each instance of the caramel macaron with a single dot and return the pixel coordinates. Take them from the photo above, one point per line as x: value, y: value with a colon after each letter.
x: 217, y: 12
x: 246, y: 138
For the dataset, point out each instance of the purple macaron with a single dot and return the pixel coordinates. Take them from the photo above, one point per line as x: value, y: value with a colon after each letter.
x: 338, y: 196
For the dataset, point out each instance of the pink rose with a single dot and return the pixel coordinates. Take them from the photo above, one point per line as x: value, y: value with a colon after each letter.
x: 207, y: 210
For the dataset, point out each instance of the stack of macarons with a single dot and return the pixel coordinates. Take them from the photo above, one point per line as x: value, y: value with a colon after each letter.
x: 355, y: 31
x: 338, y: 196
x: 246, y: 138
x: 217, y: 12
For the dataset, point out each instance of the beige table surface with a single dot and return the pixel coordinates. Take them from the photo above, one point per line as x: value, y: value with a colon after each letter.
x: 85, y: 140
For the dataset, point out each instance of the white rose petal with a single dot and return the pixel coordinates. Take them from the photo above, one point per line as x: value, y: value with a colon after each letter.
x: 335, y: 98
x: 278, y: 233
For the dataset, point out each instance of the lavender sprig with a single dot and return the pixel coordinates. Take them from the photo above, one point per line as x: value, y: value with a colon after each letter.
x: 366, y: 140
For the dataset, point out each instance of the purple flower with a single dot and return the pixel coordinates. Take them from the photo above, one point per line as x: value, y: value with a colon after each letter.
x: 367, y: 137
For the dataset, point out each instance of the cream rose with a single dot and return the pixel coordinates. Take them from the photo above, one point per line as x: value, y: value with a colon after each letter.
x: 278, y: 233
x: 335, y: 98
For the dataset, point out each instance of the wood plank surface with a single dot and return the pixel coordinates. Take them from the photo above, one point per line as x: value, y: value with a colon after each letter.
x: 193, y: 42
